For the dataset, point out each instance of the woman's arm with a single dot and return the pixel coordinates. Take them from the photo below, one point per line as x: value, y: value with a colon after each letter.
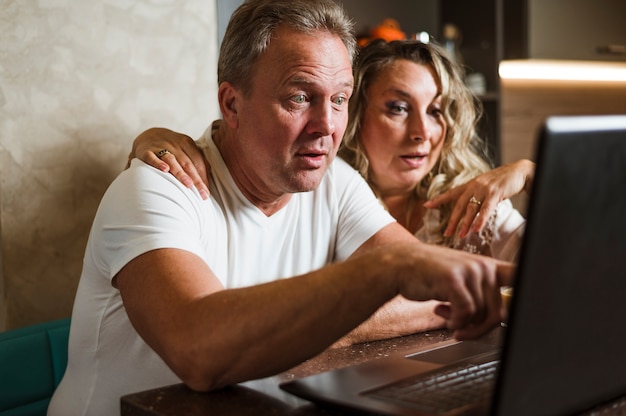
x: 175, y: 153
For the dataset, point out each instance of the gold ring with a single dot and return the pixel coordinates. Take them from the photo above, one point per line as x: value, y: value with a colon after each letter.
x: 473, y: 200
x: 162, y: 153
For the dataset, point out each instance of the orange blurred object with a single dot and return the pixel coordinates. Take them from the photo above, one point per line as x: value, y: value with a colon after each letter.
x: 389, y: 30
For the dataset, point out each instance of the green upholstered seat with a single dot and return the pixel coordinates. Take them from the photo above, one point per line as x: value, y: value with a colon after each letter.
x: 32, y: 362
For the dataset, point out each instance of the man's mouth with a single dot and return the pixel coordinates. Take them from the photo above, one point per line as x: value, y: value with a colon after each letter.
x: 313, y: 158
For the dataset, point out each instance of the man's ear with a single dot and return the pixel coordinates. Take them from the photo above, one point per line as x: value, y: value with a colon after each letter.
x: 229, y: 97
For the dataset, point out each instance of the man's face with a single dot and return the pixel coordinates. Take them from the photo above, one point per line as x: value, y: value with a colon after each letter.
x: 290, y: 125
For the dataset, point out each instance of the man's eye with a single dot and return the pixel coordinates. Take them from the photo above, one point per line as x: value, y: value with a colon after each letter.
x: 300, y: 98
x: 341, y: 100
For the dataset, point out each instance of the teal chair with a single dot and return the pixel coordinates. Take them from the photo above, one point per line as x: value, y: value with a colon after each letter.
x: 32, y: 362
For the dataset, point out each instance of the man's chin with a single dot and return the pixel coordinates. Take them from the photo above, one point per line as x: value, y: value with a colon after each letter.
x: 307, y: 182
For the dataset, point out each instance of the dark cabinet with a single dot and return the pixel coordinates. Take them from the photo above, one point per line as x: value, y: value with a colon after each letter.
x: 576, y: 29
x: 481, y: 48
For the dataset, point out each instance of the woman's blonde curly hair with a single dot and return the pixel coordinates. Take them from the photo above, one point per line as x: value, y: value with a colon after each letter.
x: 464, y: 153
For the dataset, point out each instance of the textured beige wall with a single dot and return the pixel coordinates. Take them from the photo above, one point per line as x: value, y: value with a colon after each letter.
x: 78, y: 81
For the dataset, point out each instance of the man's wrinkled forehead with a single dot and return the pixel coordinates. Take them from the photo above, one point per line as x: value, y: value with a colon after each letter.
x: 301, y: 57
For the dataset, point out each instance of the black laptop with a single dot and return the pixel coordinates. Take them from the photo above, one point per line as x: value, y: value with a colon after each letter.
x: 564, y: 350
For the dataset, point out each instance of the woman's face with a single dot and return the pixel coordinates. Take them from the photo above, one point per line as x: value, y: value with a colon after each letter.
x: 403, y: 130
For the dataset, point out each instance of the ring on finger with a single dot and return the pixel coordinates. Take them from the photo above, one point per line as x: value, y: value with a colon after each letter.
x: 162, y: 153
x: 473, y: 200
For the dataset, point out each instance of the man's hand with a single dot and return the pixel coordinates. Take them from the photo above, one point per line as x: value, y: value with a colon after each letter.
x: 468, y: 284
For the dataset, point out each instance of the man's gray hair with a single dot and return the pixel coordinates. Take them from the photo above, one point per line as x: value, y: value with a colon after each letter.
x: 251, y: 26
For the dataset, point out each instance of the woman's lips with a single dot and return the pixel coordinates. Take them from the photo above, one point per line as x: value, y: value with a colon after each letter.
x: 414, y: 160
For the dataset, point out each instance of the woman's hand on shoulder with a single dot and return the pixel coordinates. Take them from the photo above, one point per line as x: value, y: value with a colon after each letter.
x: 477, y: 199
x: 175, y: 153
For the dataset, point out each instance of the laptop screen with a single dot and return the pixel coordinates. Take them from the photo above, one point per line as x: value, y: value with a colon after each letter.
x: 566, y: 349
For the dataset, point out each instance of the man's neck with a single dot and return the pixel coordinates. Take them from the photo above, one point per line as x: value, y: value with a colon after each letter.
x: 266, y: 202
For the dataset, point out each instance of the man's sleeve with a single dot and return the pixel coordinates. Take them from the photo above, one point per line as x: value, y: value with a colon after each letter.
x: 361, y: 214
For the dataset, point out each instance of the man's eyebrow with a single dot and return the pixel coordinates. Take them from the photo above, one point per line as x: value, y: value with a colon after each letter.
x: 349, y: 84
x: 298, y: 79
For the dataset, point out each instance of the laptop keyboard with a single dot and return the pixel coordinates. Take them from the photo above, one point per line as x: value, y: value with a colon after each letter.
x: 441, y: 392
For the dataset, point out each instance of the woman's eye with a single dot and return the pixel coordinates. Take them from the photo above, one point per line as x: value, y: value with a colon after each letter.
x: 397, y: 108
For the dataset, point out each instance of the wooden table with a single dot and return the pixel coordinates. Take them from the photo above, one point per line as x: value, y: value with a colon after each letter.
x: 264, y: 397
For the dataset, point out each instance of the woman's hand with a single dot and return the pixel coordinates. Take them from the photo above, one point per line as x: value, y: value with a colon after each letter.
x: 175, y: 153
x: 478, y: 198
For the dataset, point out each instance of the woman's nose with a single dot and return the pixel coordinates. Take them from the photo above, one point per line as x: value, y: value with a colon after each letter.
x: 420, y: 129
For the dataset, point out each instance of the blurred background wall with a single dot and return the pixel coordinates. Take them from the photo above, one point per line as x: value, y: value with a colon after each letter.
x: 79, y: 80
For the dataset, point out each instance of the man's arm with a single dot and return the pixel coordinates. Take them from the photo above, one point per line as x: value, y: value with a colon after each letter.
x: 213, y: 337
x: 399, y: 316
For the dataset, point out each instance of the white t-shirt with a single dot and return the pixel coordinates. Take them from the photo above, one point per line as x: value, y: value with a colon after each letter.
x: 145, y: 209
